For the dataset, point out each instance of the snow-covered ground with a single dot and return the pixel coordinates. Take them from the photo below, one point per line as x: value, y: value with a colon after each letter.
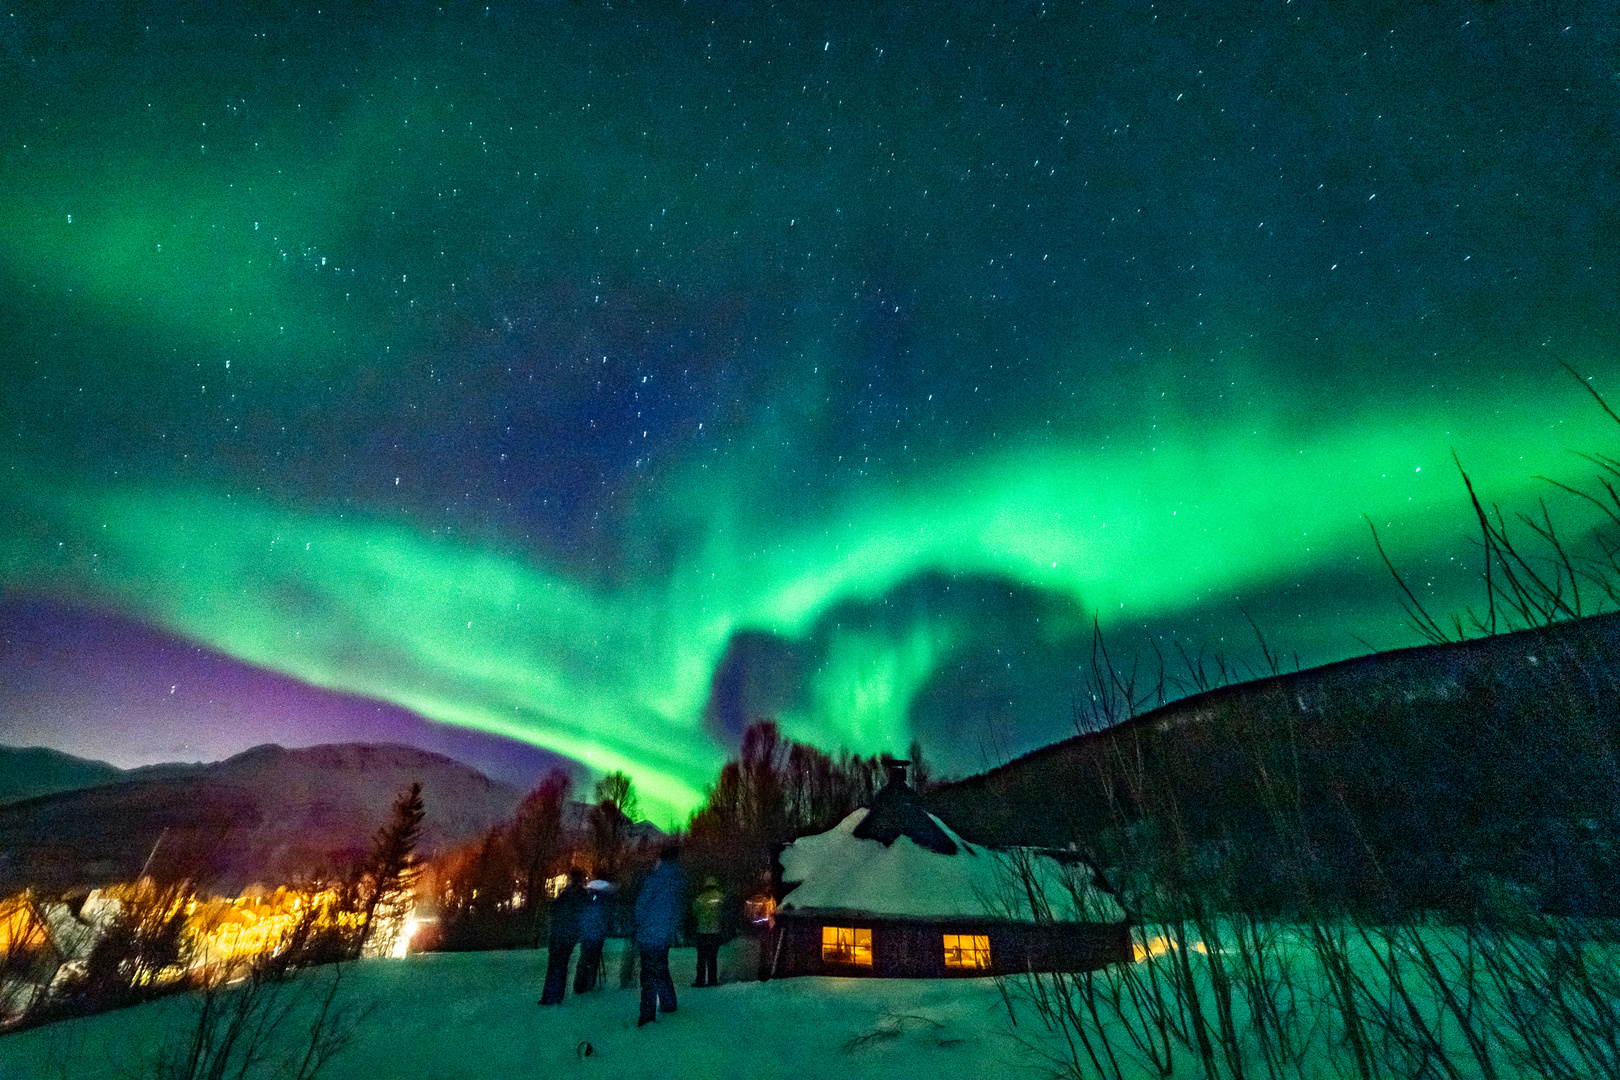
x: 449, y: 1016
x: 1423, y: 1000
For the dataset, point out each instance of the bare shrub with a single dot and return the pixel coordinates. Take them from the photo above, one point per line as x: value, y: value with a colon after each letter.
x: 263, y: 1023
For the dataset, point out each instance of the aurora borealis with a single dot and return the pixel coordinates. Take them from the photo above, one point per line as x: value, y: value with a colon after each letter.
x: 604, y: 376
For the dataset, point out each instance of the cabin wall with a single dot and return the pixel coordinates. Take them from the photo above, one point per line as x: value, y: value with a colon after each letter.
x: 905, y: 948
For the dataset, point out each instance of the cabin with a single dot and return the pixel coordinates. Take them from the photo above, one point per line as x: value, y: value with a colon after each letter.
x: 891, y: 891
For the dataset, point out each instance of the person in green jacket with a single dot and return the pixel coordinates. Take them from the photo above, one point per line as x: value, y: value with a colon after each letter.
x: 706, y: 908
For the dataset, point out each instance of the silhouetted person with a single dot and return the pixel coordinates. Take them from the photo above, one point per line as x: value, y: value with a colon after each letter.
x: 706, y: 913
x: 595, y: 917
x: 564, y: 933
x: 659, y: 908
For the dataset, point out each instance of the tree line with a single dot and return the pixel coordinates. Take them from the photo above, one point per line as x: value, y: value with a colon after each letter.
x: 492, y: 892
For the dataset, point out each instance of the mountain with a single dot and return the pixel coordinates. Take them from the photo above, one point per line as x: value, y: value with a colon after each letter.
x: 1425, y: 775
x: 267, y: 814
x: 31, y: 771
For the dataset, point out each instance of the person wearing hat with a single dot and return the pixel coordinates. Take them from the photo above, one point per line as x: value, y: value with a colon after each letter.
x: 706, y: 909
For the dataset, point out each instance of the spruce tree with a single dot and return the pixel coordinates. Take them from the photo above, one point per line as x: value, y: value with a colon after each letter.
x: 393, y: 867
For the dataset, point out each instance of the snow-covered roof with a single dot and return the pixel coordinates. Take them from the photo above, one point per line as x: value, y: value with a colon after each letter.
x: 837, y: 871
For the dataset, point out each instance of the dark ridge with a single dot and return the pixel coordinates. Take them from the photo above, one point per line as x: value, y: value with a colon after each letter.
x: 1425, y: 771
x: 268, y: 814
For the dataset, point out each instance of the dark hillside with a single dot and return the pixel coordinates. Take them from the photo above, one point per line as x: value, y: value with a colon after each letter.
x: 31, y: 771
x: 267, y: 814
x: 1410, y: 777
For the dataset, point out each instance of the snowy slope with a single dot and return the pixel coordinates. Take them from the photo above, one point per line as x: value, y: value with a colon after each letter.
x: 460, y: 1016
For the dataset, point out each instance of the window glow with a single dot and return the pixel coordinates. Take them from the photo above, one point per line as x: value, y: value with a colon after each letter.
x: 760, y: 910
x: 967, y: 950
x: 846, y: 945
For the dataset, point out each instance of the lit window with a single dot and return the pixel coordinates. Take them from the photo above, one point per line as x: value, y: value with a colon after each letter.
x: 846, y: 945
x: 760, y: 910
x: 967, y: 950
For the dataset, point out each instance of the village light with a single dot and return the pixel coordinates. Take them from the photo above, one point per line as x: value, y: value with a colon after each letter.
x: 21, y: 927
x: 402, y: 943
x: 1154, y: 946
x: 1158, y: 945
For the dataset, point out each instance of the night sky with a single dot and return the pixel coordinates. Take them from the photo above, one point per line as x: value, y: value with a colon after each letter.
x: 606, y: 376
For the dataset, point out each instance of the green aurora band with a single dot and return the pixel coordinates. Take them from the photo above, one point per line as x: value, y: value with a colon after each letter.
x: 1077, y: 301
x: 471, y: 636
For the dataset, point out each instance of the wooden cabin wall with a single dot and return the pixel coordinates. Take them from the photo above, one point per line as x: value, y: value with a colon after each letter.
x: 915, y: 949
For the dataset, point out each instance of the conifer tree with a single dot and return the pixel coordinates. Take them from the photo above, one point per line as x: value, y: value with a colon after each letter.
x: 393, y: 867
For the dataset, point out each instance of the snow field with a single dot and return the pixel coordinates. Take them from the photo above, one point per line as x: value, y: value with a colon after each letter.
x: 472, y: 1016
x: 1425, y: 1000
x: 1249, y: 999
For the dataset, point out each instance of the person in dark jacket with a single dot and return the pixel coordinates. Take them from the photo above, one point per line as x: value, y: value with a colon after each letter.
x: 565, y: 912
x: 659, y: 909
x: 595, y: 917
x: 706, y: 913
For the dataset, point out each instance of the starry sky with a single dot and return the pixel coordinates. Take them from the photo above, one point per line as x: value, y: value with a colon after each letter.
x: 605, y: 376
